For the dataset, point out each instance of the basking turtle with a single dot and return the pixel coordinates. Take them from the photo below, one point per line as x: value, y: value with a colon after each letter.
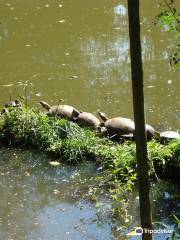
x: 15, y: 103
x: 120, y: 126
x: 87, y: 119
x: 169, y: 135
x: 63, y: 111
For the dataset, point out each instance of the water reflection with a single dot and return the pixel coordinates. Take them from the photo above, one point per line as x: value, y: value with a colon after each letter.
x: 47, y: 43
x: 39, y: 201
x: 120, y: 10
x: 166, y: 203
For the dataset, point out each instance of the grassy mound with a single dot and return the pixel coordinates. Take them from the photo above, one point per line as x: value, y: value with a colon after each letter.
x: 26, y: 127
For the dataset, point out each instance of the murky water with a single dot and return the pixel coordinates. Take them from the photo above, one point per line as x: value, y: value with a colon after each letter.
x: 77, y: 50
x: 40, y: 201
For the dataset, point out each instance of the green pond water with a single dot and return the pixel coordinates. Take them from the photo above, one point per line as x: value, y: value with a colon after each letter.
x: 41, y: 201
x: 78, y: 51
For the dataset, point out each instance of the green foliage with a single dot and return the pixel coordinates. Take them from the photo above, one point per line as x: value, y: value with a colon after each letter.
x: 158, y: 154
x: 119, y: 159
x: 169, y: 19
x: 26, y: 127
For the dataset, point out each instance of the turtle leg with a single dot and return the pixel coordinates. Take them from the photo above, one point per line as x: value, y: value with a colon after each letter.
x: 45, y: 113
x: 114, y: 137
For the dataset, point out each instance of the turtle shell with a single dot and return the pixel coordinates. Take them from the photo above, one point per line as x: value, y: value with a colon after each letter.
x: 88, y: 120
x: 15, y: 103
x: 120, y: 126
x: 12, y: 104
x: 125, y: 127
x: 64, y: 111
x: 170, y: 135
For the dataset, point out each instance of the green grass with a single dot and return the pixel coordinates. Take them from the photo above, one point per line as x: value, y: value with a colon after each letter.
x: 26, y: 127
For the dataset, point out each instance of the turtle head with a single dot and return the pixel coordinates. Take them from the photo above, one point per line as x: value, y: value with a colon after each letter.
x: 13, y: 104
x: 17, y: 103
x: 45, y: 105
x: 152, y: 133
x: 102, y: 130
x: 102, y: 124
x: 75, y: 114
x: 103, y: 116
x: 157, y: 135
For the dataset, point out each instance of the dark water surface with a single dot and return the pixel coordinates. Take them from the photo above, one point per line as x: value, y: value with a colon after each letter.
x: 40, y: 201
x: 43, y: 202
x: 77, y: 50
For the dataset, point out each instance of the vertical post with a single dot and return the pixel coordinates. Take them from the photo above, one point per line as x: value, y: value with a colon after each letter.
x: 138, y: 104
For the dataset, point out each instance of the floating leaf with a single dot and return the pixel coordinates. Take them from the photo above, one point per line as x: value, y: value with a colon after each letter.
x: 54, y: 163
x: 150, y: 86
x: 27, y: 174
x: 8, y: 85
x: 133, y: 233
x: 61, y: 21
x: 39, y: 94
x: 56, y: 191
x: 74, y: 76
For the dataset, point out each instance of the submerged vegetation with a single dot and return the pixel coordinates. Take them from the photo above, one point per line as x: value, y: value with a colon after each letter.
x: 27, y: 127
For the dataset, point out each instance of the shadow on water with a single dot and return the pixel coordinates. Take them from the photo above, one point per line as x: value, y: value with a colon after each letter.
x: 41, y: 201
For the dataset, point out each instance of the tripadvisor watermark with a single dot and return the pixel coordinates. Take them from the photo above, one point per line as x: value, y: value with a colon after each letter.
x: 139, y: 231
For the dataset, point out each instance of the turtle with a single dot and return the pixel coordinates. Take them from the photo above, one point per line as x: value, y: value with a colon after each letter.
x: 121, y: 126
x: 169, y: 135
x: 63, y: 111
x: 87, y: 119
x: 15, y: 103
